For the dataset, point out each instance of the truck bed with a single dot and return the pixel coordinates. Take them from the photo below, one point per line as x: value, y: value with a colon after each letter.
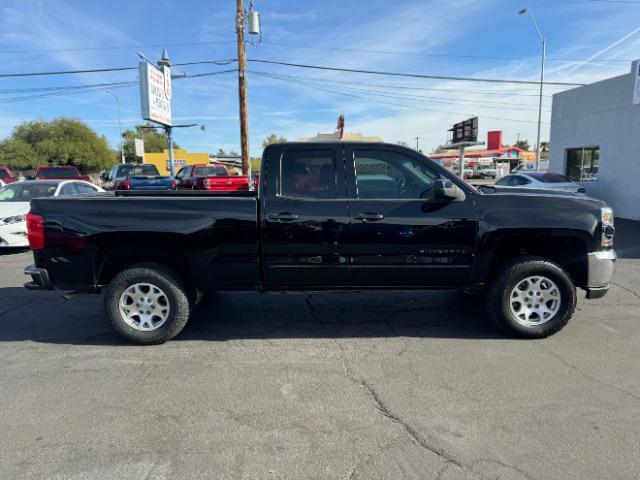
x: 199, y: 232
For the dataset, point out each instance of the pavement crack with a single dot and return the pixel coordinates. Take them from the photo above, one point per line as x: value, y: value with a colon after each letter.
x: 577, y: 370
x: 626, y: 289
x: 415, y: 436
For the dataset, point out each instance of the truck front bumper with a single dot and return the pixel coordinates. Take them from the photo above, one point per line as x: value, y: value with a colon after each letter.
x: 602, y: 266
x: 40, y: 278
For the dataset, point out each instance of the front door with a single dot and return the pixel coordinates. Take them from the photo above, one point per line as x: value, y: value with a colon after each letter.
x: 305, y: 218
x: 399, y: 234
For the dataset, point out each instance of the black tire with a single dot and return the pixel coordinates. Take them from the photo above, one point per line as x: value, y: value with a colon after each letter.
x: 498, y: 301
x: 170, y: 284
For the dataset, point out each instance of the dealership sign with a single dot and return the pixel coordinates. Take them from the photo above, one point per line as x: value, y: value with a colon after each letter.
x: 139, y: 143
x: 155, y: 93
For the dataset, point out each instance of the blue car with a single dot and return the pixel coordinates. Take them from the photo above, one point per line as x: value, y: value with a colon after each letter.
x: 136, y: 176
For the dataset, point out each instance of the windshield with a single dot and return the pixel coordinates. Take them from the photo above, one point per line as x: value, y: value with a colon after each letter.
x: 58, y: 172
x: 549, y: 177
x: 3, y: 173
x: 23, y: 192
x: 133, y: 170
x: 213, y: 171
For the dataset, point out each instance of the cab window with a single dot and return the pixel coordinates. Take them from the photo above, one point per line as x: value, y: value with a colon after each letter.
x: 308, y: 174
x: 392, y: 175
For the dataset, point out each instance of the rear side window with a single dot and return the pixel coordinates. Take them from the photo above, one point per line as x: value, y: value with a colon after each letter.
x: 308, y: 174
x: 517, y: 181
x: 212, y: 171
x: 58, y: 172
x: 550, y: 177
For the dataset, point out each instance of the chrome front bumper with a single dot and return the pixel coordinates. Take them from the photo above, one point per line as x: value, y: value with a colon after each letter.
x: 602, y: 266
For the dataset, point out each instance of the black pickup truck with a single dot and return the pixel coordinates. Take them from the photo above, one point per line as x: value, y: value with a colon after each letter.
x: 327, y: 216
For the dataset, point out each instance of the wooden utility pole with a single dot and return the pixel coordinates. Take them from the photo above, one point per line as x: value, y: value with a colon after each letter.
x: 242, y: 89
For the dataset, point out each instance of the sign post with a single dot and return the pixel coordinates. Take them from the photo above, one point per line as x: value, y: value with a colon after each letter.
x: 465, y: 134
x: 155, y: 96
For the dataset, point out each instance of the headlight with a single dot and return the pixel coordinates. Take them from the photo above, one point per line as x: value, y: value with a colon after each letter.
x: 13, y: 219
x: 608, y: 231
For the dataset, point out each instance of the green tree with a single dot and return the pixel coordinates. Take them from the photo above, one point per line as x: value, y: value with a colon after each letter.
x: 545, y: 147
x: 273, y: 138
x: 523, y: 144
x: 255, y: 164
x: 155, y: 140
x: 63, y: 141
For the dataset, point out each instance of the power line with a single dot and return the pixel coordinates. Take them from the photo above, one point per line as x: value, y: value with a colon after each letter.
x: 415, y: 75
x: 315, y: 47
x: 72, y: 90
x: 429, y: 54
x: 102, y: 70
x: 329, y: 90
x: 408, y: 87
x: 114, y: 47
x: 425, y: 98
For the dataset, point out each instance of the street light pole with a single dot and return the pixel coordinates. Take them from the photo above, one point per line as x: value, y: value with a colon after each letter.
x: 119, y: 124
x: 544, y: 51
x: 417, y: 144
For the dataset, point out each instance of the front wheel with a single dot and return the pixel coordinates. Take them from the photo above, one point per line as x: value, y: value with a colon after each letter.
x: 147, y: 304
x: 531, y: 298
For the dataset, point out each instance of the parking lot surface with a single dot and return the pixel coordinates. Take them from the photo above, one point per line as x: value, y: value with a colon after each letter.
x: 387, y: 385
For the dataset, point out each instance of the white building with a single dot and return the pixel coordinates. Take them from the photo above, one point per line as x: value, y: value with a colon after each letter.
x: 595, y: 140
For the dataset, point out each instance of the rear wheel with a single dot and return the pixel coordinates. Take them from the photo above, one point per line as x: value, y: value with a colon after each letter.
x: 531, y: 298
x: 147, y: 304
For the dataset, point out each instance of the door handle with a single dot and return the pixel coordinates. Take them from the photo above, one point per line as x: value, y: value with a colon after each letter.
x: 369, y: 217
x: 283, y: 217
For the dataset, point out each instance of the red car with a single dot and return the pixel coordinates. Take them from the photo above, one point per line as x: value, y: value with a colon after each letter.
x: 60, y: 173
x: 209, y: 177
x: 7, y: 175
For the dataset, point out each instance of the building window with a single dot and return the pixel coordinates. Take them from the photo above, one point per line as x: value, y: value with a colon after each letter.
x: 583, y: 163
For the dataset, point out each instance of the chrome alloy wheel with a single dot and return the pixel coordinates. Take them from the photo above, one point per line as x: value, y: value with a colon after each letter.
x: 144, y: 307
x: 534, y: 301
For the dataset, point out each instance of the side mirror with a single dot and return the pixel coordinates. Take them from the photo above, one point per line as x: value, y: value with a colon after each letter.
x: 448, y: 191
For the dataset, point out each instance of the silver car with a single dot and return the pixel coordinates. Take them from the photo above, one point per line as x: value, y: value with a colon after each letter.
x: 540, y: 180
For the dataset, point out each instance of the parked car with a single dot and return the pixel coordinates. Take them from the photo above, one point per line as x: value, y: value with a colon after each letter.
x: 541, y: 181
x: 54, y: 172
x: 389, y: 218
x: 485, y: 171
x: 468, y: 171
x: 209, y: 177
x: 136, y: 176
x: 6, y: 175
x: 14, y: 204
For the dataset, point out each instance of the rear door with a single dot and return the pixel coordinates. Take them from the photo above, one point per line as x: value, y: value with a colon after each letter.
x: 305, y: 217
x: 399, y: 234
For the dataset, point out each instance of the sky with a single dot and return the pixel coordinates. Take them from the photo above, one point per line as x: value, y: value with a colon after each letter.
x: 587, y: 40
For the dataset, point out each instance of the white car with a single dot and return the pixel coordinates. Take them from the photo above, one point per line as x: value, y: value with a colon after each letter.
x: 540, y: 180
x: 14, y: 204
x: 2, y: 184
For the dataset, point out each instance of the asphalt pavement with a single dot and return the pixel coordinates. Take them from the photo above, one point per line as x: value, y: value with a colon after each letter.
x: 385, y: 385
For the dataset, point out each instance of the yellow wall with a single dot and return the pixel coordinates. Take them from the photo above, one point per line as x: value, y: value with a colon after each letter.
x: 180, y: 159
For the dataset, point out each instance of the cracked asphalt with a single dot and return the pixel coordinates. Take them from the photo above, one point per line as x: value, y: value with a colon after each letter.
x: 385, y: 385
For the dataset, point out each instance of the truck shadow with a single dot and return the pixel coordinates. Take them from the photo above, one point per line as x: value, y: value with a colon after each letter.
x: 46, y: 318
x: 626, y: 243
